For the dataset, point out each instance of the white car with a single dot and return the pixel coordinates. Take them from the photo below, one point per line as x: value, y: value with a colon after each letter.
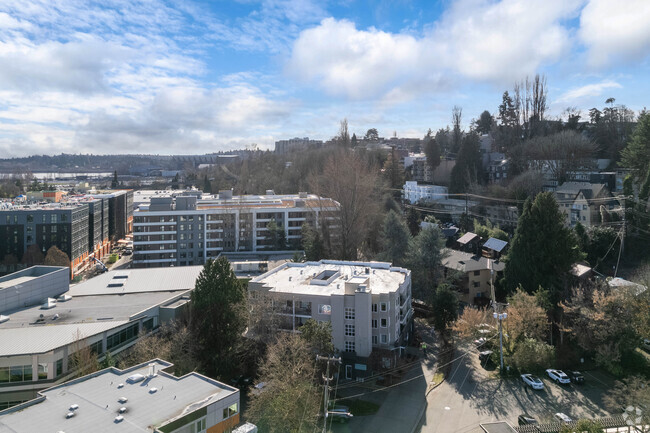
x: 558, y: 376
x: 562, y: 417
x: 532, y: 381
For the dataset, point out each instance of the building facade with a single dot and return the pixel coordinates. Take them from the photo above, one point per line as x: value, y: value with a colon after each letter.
x: 474, y: 286
x: 582, y: 201
x: 414, y: 192
x: 367, y: 303
x: 284, y: 146
x: 187, y: 229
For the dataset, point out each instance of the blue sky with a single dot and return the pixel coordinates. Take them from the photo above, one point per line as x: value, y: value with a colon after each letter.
x: 155, y: 76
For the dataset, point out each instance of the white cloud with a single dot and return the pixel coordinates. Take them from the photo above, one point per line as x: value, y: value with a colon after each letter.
x: 590, y: 90
x: 499, y: 42
x: 615, y: 30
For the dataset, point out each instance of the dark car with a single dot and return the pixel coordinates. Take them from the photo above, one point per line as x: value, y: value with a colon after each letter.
x: 526, y: 419
x: 575, y: 376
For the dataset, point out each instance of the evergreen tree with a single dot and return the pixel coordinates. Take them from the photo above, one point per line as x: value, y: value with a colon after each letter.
x: 354, y: 140
x: 413, y: 220
x: 114, y: 182
x: 432, y: 151
x: 207, y: 186
x: 543, y: 249
x: 445, y: 308
x: 425, y: 259
x: 277, y: 238
x: 636, y: 154
x: 395, y: 239
x: 312, y: 243
x: 218, y: 316
x: 469, y: 167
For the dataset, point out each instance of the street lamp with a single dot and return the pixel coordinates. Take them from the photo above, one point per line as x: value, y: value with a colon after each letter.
x: 500, y: 317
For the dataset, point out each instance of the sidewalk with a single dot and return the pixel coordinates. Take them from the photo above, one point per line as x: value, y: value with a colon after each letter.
x: 402, y: 406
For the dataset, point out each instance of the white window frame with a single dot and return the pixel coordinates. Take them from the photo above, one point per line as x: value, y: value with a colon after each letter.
x: 349, y: 330
x: 375, y: 324
x: 349, y: 313
x: 383, y: 307
x: 375, y: 340
x: 384, y: 323
x: 350, y: 346
x: 383, y: 338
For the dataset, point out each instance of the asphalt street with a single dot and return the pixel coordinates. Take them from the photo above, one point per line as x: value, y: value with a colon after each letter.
x: 472, y: 395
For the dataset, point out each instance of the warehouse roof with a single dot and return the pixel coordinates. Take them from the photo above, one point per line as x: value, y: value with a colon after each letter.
x: 98, y: 399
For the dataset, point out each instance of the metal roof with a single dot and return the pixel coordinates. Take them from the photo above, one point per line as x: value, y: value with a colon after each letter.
x: 139, y: 280
x: 467, y: 237
x: 495, y: 244
x: 44, y: 338
x: 98, y: 395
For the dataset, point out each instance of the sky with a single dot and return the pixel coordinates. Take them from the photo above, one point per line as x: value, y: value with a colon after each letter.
x: 165, y: 77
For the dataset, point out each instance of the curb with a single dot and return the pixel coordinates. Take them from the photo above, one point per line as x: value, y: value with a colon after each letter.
x: 420, y: 415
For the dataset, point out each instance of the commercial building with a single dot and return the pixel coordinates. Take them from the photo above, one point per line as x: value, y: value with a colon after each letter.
x: 143, y: 398
x: 179, y: 229
x: 367, y: 303
x: 40, y: 337
x: 474, y: 285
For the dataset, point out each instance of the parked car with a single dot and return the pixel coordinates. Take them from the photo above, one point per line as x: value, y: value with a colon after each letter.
x: 526, y: 419
x: 562, y: 417
x: 532, y: 381
x: 339, y: 413
x: 485, y: 355
x: 576, y: 376
x: 645, y: 344
x: 480, y: 341
x: 558, y: 376
x: 127, y: 252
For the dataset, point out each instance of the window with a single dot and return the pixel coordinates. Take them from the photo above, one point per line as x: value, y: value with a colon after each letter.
x: 229, y: 411
x: 477, y: 284
x: 384, y: 339
x: 349, y: 330
x: 189, y: 227
x: 374, y: 308
x: 42, y: 371
x: 59, y: 367
x: 30, y: 218
x: 349, y: 346
x: 199, y: 426
x: 374, y: 323
x: 584, y: 207
x: 477, y: 273
x: 52, y: 229
x: 64, y: 218
x: 349, y: 313
x: 375, y: 339
x: 53, y: 218
x: 384, y: 307
x: 181, y: 227
x: 384, y: 323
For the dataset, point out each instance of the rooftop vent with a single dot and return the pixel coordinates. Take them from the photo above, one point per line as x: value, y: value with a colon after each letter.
x: 74, y: 407
x: 120, y: 385
x: 135, y: 378
x: 153, y: 390
x: 69, y: 415
x: 152, y: 370
x: 123, y: 400
x: 122, y: 409
x: 119, y: 418
x: 50, y: 303
x: 115, y: 284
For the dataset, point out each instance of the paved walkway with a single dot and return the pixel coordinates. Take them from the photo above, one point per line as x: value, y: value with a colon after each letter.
x: 403, y: 405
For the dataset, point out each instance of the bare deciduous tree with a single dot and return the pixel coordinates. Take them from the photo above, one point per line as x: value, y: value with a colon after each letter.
x: 560, y: 153
x: 83, y: 360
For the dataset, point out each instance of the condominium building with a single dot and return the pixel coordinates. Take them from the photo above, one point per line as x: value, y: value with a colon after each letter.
x: 44, y: 323
x: 82, y: 226
x: 284, y: 146
x: 415, y: 193
x: 189, y: 227
x: 142, y: 398
x: 367, y: 303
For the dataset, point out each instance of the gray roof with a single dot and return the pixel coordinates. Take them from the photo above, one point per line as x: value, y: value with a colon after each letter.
x: 82, y: 316
x: 97, y: 396
x: 589, y: 190
x: 466, y: 262
x: 139, y: 280
x: 467, y: 237
x: 495, y: 244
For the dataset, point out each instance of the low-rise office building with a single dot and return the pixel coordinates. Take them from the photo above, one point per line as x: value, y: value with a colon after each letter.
x: 414, y: 192
x: 188, y: 228
x: 367, y: 303
x: 39, y: 339
x: 143, y: 398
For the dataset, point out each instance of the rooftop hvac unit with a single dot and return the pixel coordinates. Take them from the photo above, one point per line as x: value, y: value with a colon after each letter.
x: 153, y: 390
x: 50, y: 303
x: 64, y: 298
x: 74, y: 407
x: 122, y: 409
x: 152, y: 370
x: 135, y: 378
x: 119, y: 418
x: 70, y: 415
x: 123, y: 400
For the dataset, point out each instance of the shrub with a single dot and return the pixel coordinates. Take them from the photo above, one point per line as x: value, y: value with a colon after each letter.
x: 533, y: 355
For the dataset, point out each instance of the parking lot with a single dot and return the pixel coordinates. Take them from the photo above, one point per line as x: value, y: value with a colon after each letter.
x: 472, y: 395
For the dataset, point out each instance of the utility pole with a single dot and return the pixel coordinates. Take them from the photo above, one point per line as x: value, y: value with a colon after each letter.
x: 496, y: 314
x: 326, y: 390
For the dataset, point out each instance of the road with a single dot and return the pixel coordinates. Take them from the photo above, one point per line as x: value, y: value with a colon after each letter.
x: 472, y: 395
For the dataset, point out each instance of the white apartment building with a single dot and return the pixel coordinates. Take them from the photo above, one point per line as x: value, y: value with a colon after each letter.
x: 189, y: 227
x: 414, y: 192
x: 367, y: 303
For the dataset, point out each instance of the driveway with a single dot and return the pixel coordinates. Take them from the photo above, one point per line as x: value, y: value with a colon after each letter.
x: 472, y: 395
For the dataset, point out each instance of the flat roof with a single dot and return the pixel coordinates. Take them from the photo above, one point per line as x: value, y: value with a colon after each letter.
x: 16, y: 281
x: 80, y: 317
x: 498, y: 427
x: 297, y: 277
x: 138, y: 281
x: 98, y: 395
